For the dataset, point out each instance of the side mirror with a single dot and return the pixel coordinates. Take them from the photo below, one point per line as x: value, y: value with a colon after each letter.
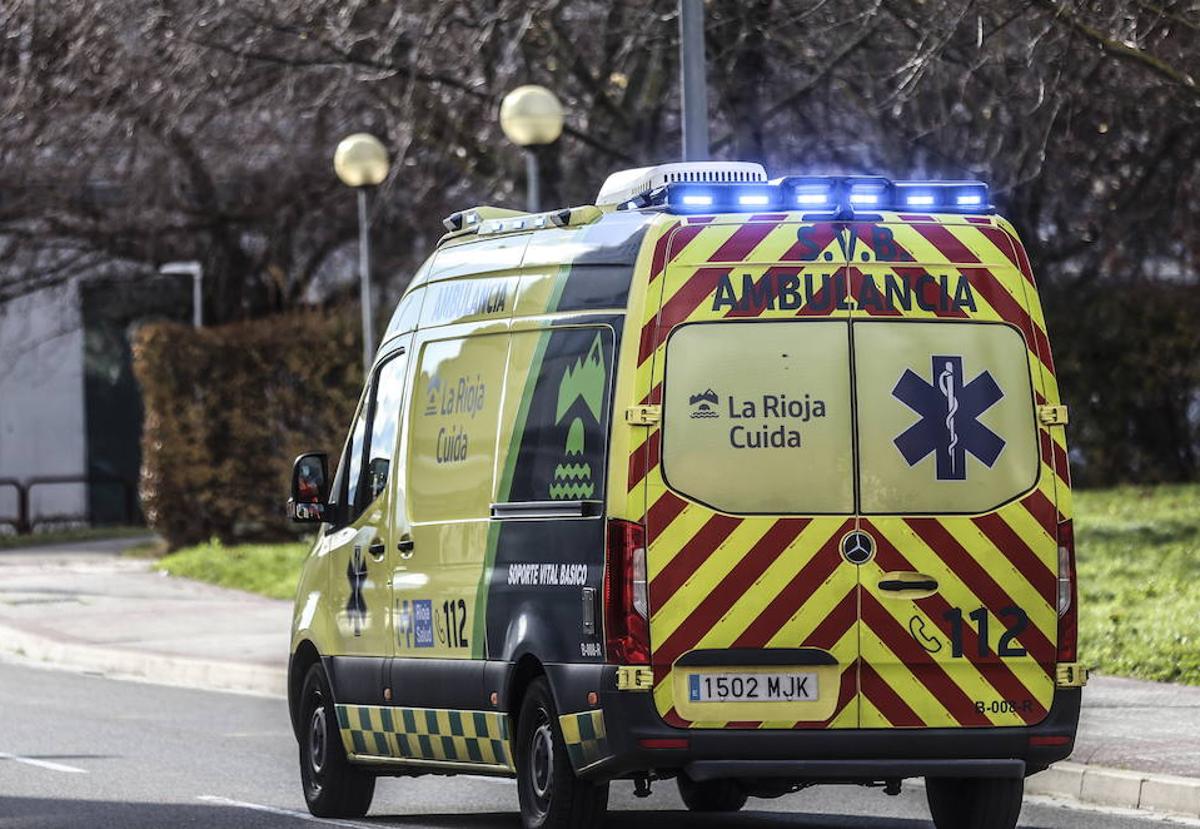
x: 310, y: 488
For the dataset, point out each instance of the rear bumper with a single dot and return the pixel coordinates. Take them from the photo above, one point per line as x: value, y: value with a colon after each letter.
x: 854, y: 754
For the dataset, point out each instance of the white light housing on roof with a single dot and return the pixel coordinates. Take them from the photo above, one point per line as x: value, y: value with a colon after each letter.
x: 627, y: 185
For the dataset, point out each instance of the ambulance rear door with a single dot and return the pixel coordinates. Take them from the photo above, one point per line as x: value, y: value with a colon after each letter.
x: 956, y: 477
x: 748, y: 477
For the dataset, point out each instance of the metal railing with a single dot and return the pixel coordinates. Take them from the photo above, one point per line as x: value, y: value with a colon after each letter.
x: 24, y: 521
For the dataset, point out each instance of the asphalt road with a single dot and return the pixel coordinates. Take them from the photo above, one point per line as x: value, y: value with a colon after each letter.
x: 84, y: 750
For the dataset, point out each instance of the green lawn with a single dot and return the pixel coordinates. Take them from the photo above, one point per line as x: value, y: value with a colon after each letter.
x: 1139, y: 581
x: 269, y: 569
x: 1139, y: 578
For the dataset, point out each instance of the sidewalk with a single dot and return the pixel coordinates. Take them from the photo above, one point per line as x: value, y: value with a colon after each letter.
x: 85, y: 606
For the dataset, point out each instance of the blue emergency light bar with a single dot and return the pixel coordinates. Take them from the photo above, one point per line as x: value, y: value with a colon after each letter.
x: 825, y: 194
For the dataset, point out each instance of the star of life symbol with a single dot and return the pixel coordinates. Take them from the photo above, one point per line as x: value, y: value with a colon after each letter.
x: 949, y: 424
x: 356, y: 605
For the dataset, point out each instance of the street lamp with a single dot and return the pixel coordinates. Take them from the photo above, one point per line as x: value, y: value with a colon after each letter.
x: 196, y: 272
x: 530, y: 116
x: 361, y: 161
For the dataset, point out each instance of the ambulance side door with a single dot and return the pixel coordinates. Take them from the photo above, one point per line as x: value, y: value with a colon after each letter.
x: 359, y: 587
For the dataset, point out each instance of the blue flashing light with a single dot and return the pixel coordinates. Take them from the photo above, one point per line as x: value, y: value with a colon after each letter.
x: 833, y: 194
x: 943, y: 196
x: 811, y: 192
x: 719, y: 197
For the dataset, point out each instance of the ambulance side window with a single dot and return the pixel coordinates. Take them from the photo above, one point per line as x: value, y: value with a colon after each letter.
x: 385, y: 421
x: 345, y: 483
x: 563, y: 440
x: 454, y: 418
x: 355, y: 486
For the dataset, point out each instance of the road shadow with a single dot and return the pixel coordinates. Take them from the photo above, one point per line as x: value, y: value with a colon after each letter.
x: 660, y: 820
x: 62, y: 813
x: 65, y: 813
x: 618, y: 819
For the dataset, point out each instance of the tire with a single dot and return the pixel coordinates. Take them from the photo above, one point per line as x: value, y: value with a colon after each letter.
x: 711, y: 796
x: 958, y: 803
x: 332, y: 786
x: 550, y: 794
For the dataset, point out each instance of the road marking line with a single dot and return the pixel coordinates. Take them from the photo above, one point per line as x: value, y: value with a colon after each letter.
x: 41, y: 764
x: 275, y: 810
x: 484, y: 778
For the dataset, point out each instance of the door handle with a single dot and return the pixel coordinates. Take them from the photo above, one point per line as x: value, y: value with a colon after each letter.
x: 920, y: 583
x: 377, y: 549
x: 405, y: 546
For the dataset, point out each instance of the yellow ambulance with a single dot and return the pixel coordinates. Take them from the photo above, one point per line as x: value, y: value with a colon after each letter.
x: 750, y: 484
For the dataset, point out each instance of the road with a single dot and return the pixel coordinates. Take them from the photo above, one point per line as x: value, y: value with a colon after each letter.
x: 85, y: 750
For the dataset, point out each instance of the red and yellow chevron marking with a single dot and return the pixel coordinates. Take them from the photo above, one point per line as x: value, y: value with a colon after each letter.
x: 722, y: 581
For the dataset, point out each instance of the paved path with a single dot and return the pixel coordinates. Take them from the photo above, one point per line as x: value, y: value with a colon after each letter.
x: 95, y: 752
x: 87, y: 598
x: 1148, y: 726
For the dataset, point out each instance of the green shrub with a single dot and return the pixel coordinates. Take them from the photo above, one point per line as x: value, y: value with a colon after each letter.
x: 227, y: 410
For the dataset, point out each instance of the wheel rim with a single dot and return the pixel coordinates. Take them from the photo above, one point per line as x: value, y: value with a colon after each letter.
x: 317, y: 740
x: 541, y: 763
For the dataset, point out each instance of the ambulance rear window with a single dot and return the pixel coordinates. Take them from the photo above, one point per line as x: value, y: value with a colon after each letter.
x: 756, y: 416
x: 945, y: 416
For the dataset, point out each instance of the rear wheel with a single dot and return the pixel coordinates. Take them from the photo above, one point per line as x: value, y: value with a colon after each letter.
x: 711, y: 795
x: 332, y: 787
x: 977, y: 803
x: 550, y: 794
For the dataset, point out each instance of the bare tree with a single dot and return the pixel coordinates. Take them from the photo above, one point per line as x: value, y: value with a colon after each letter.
x: 133, y: 131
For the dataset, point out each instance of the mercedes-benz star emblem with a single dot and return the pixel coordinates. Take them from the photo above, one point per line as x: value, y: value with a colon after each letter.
x: 858, y: 547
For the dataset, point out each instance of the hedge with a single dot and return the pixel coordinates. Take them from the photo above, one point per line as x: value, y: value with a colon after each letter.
x: 227, y: 409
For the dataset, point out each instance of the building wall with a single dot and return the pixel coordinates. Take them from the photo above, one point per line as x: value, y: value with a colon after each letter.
x: 42, y: 430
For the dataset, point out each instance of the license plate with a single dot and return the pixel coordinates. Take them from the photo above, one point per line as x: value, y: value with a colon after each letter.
x: 784, y: 686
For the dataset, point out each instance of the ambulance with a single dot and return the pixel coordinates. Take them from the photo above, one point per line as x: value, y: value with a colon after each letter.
x: 750, y: 485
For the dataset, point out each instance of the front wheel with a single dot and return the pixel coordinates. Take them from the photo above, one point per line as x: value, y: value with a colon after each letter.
x: 550, y: 794
x: 712, y: 796
x: 332, y: 787
x: 984, y: 803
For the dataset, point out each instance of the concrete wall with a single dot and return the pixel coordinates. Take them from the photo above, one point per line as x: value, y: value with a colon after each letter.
x: 42, y: 430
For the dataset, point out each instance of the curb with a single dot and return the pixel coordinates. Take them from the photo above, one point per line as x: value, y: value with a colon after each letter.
x: 1119, y: 788
x: 203, y: 674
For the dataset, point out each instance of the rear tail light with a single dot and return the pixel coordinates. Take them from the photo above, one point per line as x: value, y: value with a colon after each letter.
x: 1049, y: 740
x: 626, y: 604
x: 1068, y: 595
x: 660, y: 743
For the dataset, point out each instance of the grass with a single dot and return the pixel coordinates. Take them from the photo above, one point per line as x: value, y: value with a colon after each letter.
x: 69, y: 536
x: 1138, y: 551
x: 1139, y: 578
x: 269, y: 569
